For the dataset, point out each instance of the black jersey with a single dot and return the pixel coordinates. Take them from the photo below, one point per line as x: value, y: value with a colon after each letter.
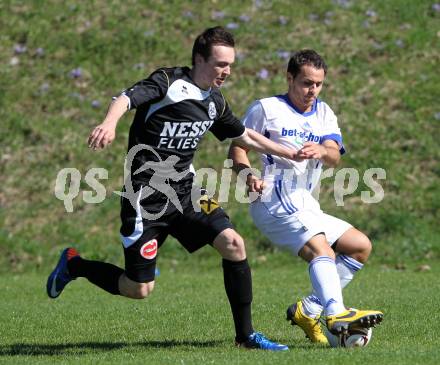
x: 172, y: 116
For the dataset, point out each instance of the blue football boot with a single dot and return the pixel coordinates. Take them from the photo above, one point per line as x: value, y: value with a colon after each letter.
x: 60, y: 276
x: 257, y: 341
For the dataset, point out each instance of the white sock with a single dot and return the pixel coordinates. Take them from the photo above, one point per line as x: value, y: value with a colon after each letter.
x: 326, y: 284
x: 311, y: 305
x: 346, y: 267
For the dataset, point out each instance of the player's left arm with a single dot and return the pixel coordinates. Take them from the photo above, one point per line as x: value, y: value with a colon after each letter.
x: 327, y: 152
x: 229, y: 126
x: 253, y: 140
x: 241, y: 162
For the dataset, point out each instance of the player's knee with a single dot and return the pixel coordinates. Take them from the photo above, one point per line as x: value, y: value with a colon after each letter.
x: 365, y: 248
x: 324, y: 250
x: 143, y: 290
x: 235, y: 247
x: 317, y: 246
x: 138, y: 290
x: 355, y: 244
x: 231, y: 246
x: 238, y: 247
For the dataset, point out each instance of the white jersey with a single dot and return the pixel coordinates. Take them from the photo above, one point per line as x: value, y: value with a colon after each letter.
x: 277, y: 119
x: 286, y: 212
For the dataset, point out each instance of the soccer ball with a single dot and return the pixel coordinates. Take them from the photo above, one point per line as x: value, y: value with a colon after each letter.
x: 356, y: 337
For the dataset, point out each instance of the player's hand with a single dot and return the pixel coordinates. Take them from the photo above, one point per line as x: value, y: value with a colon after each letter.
x: 102, y: 135
x: 295, y: 155
x: 298, y: 157
x: 254, y: 184
x: 311, y: 150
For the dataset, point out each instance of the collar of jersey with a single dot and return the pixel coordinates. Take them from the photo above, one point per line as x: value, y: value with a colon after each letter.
x: 204, y: 92
x: 286, y: 99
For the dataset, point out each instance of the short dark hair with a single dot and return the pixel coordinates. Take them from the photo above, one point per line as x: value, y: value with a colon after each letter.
x: 305, y: 57
x: 211, y: 37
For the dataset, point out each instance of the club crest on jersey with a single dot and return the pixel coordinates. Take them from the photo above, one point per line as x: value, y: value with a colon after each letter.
x: 212, y: 112
x: 149, y: 249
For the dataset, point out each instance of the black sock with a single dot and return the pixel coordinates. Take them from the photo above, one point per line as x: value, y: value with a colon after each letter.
x: 238, y: 285
x: 102, y: 274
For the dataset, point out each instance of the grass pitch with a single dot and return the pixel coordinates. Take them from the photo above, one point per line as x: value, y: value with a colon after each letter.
x: 60, y: 63
x: 187, y: 319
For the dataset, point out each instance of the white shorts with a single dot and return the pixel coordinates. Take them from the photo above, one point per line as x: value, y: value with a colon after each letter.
x: 289, y: 221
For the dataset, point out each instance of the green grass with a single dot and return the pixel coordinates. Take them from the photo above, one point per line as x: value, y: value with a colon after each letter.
x: 383, y: 85
x: 187, y: 319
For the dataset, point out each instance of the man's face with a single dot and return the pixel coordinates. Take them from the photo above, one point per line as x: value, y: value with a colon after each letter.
x: 305, y: 87
x: 214, y: 71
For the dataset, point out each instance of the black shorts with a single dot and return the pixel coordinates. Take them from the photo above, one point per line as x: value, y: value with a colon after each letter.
x: 142, y: 237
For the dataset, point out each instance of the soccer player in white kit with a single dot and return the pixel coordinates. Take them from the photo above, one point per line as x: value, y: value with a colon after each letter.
x: 288, y: 214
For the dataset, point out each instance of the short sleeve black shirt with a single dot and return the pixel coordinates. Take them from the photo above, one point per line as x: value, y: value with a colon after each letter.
x: 172, y: 116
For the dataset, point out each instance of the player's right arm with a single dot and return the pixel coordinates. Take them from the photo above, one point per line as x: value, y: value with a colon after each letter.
x: 145, y: 91
x: 104, y: 134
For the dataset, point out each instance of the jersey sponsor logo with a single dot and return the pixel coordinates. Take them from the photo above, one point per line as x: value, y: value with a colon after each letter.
x: 183, y: 135
x: 301, y: 136
x: 212, y: 112
x: 149, y: 249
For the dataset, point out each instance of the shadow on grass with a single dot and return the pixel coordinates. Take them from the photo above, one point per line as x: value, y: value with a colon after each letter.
x: 74, y: 349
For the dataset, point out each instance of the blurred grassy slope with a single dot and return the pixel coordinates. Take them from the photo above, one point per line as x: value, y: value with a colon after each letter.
x: 61, y: 63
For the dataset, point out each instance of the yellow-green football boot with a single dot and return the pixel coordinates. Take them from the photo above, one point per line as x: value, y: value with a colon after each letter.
x: 310, y: 326
x: 342, y: 322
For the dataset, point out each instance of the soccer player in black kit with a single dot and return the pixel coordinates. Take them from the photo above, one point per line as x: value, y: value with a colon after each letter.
x: 175, y: 108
